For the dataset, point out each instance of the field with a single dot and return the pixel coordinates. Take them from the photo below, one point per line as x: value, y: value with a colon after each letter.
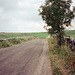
x: 16, y: 40
x: 41, y: 35
x: 14, y: 35
x: 70, y: 33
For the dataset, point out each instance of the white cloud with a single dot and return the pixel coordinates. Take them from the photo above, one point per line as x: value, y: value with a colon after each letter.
x: 1, y: 10
x: 21, y: 28
x: 73, y: 25
x: 21, y: 16
x: 23, y: 4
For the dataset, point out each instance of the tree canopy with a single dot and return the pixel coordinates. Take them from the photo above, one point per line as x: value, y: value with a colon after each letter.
x: 57, y: 14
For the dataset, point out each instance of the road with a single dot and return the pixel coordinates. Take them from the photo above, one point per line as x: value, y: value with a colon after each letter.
x: 29, y: 58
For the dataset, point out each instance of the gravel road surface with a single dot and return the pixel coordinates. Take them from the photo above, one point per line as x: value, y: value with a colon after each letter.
x: 29, y: 58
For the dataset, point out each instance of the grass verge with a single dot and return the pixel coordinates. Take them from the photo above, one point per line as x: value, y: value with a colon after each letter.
x: 63, y: 60
x: 14, y: 41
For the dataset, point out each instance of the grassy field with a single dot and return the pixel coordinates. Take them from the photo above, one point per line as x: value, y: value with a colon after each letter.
x: 41, y: 35
x: 12, y: 35
x: 44, y: 35
x: 70, y: 33
x: 15, y: 40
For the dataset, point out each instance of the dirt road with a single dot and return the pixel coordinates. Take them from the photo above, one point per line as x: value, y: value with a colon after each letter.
x: 30, y: 58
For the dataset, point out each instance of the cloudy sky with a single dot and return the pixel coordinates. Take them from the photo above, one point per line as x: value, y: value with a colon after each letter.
x: 22, y: 16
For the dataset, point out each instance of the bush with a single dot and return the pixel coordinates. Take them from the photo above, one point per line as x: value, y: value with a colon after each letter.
x: 15, y: 41
x: 4, y: 44
x: 12, y: 42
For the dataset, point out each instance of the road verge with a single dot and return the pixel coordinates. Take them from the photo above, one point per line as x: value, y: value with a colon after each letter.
x: 9, y: 42
x: 62, y: 58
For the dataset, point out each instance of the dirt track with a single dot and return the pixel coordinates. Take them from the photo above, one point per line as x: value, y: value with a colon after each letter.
x: 30, y: 58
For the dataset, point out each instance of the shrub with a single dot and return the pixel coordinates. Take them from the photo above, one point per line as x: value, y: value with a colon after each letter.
x: 4, y: 44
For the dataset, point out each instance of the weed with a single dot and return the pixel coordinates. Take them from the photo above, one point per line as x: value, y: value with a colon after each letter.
x: 12, y: 42
x: 63, y: 60
x: 15, y: 41
x: 71, y: 72
x: 4, y: 44
x: 56, y: 71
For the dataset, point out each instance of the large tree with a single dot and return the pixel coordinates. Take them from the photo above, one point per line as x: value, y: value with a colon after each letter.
x: 57, y: 15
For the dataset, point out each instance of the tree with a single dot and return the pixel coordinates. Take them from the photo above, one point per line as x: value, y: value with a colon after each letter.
x: 57, y: 15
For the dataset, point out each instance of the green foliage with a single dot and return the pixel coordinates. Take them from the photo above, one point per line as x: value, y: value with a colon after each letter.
x: 13, y: 41
x: 57, y: 15
x: 4, y: 44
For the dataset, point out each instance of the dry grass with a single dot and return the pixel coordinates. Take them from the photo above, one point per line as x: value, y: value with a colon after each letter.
x: 63, y: 60
x: 14, y: 41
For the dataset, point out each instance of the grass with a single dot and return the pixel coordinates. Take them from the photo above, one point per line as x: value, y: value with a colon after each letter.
x: 14, y: 41
x: 73, y: 36
x: 12, y: 35
x: 62, y: 58
x: 41, y: 35
x: 70, y: 33
x: 4, y: 44
x: 45, y: 34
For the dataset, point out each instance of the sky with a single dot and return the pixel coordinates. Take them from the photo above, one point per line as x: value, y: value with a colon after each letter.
x: 22, y: 16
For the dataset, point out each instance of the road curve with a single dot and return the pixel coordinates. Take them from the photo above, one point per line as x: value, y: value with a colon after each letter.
x: 29, y: 58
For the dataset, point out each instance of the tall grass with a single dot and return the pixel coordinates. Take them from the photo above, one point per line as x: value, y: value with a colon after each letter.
x: 62, y: 58
x: 4, y: 44
x: 13, y: 42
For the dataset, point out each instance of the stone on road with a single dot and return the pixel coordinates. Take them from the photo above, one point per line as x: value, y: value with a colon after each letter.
x: 29, y: 58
